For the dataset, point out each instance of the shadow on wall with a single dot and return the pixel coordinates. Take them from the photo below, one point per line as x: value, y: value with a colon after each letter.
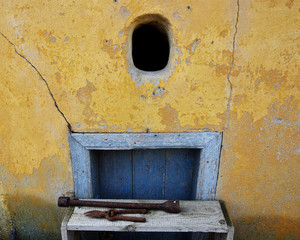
x: 265, y: 228
x: 34, y: 218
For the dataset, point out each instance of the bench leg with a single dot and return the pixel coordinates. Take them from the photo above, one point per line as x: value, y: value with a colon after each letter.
x: 65, y: 234
x: 229, y: 235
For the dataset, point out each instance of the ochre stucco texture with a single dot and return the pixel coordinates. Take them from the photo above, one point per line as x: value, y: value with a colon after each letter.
x: 234, y: 68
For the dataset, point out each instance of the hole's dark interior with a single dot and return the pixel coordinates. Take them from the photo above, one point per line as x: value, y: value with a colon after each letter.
x: 150, y: 47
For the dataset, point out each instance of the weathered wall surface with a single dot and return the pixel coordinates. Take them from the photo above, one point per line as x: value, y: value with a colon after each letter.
x: 235, y: 70
x: 259, y: 171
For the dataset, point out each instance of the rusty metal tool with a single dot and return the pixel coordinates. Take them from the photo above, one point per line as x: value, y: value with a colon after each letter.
x: 112, y: 215
x: 168, y: 206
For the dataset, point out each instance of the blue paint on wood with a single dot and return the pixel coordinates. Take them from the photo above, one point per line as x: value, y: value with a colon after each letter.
x: 148, y: 174
x: 196, y: 176
x: 208, y: 142
x: 209, y: 168
x: 180, y: 165
x: 144, y: 174
x: 208, y: 162
x: 81, y: 169
x: 114, y: 174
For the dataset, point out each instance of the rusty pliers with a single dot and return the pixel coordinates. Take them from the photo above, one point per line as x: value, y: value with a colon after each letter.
x: 112, y: 214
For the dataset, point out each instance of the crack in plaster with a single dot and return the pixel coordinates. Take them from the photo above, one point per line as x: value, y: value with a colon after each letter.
x: 232, y: 63
x: 49, y: 90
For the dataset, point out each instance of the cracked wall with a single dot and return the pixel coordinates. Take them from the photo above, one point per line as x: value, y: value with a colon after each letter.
x: 64, y: 67
x: 35, y: 163
x: 70, y: 54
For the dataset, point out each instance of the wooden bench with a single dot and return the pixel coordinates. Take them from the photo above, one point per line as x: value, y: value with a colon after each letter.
x: 195, y: 216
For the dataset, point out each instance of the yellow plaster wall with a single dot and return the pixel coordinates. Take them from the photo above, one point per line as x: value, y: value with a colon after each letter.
x: 259, y: 172
x: 236, y: 70
x: 35, y: 161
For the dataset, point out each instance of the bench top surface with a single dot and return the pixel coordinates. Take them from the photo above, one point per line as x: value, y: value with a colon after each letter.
x: 195, y: 216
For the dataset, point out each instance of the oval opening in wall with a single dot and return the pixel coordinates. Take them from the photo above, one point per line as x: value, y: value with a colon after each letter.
x: 150, y: 47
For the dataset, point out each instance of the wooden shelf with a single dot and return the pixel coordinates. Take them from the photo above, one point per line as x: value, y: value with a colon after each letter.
x: 195, y: 216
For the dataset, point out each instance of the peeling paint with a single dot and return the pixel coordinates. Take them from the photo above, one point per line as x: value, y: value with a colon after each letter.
x: 159, y: 91
x: 169, y: 117
x: 282, y: 121
x: 176, y: 15
x: 121, y: 33
x: 124, y: 12
x: 51, y: 39
x: 195, y: 44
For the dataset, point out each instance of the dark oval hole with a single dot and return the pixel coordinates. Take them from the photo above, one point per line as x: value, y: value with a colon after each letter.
x: 150, y: 47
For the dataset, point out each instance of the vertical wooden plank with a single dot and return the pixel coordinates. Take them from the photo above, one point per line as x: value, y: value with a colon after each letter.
x: 148, y: 174
x: 196, y: 177
x: 115, y: 174
x: 94, y: 158
x: 114, y: 180
x: 180, y: 164
x: 179, y: 181
x: 148, y: 181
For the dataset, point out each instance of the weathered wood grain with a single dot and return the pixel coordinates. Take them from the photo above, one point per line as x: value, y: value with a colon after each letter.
x: 115, y: 174
x: 181, y: 170
x: 148, y: 177
x: 196, y: 216
x: 145, y: 140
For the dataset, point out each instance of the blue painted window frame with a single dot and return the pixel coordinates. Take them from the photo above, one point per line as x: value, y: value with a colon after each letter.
x: 209, y: 142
